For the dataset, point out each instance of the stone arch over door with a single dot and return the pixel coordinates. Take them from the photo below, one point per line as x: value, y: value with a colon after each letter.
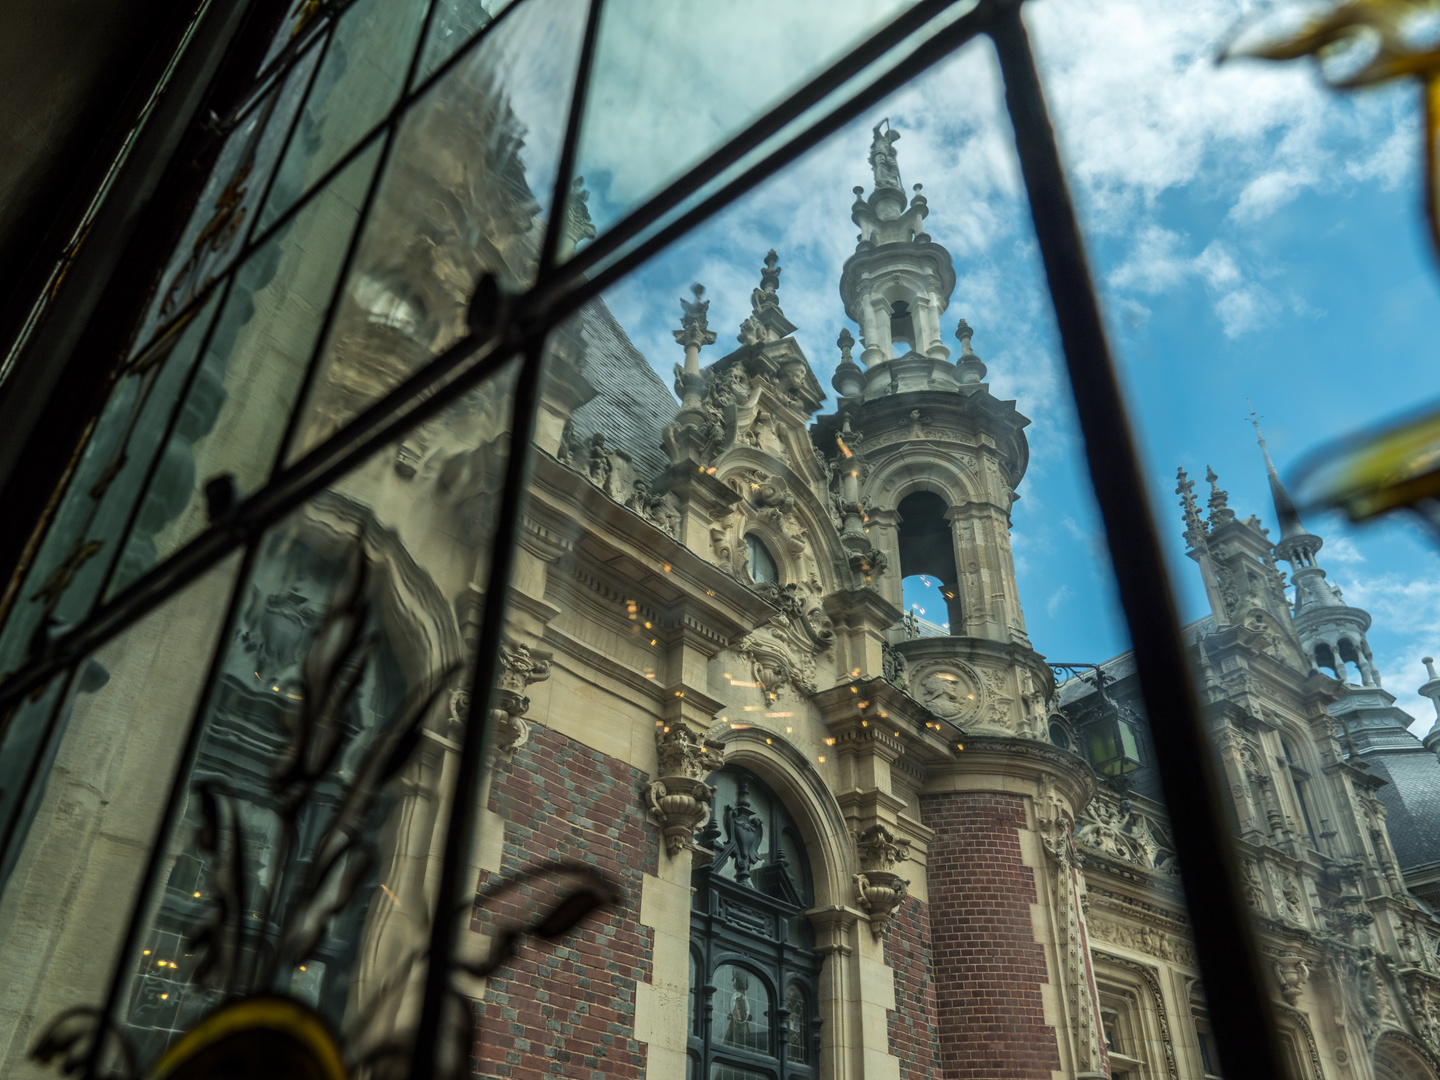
x: 848, y: 1019
x: 1400, y: 1057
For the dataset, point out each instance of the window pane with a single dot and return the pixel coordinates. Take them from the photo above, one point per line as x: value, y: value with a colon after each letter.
x: 237, y: 406
x: 740, y: 1014
x: 697, y: 99
x: 1253, y: 274
x: 465, y: 193
x: 359, y: 80
x: 299, y: 865
x: 452, y: 24
x: 85, y: 534
x: 227, y: 207
x: 75, y: 869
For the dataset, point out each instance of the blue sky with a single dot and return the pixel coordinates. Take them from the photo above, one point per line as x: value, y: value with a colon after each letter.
x: 1253, y: 235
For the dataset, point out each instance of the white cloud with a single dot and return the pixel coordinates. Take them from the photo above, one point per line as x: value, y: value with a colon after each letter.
x: 1058, y: 597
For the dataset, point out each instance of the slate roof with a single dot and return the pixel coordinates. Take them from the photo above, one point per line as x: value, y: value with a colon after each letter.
x: 633, y: 403
x: 1412, y: 804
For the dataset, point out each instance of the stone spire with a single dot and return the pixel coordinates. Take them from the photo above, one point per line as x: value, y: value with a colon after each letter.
x: 1332, y: 632
x: 1291, y: 528
x: 1195, y: 528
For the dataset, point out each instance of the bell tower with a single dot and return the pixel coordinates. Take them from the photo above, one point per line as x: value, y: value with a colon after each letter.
x: 924, y: 462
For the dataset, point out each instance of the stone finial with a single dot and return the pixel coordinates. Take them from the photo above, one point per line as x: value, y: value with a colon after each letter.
x: 770, y: 275
x: 1195, y: 528
x: 1219, y: 501
x: 849, y: 379
x: 695, y: 329
x: 1431, y: 690
x: 884, y: 162
x: 970, y: 367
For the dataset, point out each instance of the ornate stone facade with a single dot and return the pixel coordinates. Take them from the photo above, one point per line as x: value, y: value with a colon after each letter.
x: 721, y: 586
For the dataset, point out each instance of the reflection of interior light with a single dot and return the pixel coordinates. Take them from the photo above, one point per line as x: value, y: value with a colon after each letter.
x: 829, y: 742
x: 753, y: 708
x: 164, y: 997
x: 739, y: 727
x: 196, y: 895
x: 942, y: 675
x: 780, y: 714
x: 822, y: 759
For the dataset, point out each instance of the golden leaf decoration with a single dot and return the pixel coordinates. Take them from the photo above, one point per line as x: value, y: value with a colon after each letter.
x: 1387, y: 31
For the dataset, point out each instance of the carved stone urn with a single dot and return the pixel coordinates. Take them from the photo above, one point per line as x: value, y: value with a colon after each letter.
x: 880, y: 891
x: 880, y: 894
x: 679, y: 799
x: 1291, y: 971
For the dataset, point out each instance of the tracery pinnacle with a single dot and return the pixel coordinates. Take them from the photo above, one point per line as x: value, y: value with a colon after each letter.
x: 1195, y: 529
x: 694, y: 326
x: 1219, y: 501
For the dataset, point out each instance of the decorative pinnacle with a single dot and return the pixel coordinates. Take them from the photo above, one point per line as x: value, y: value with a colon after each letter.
x: 1195, y: 530
x: 578, y: 225
x: 770, y: 276
x: 694, y: 327
x: 846, y: 341
x: 1219, y: 501
x: 964, y: 333
x: 969, y: 365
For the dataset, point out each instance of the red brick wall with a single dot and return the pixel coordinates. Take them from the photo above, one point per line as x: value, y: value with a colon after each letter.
x: 914, y: 1036
x: 567, y: 1008
x: 988, y: 966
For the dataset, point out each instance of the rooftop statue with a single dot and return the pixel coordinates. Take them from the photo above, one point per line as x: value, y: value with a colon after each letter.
x: 883, y: 160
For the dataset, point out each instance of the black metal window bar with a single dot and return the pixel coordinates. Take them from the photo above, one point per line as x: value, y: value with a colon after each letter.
x: 503, y: 327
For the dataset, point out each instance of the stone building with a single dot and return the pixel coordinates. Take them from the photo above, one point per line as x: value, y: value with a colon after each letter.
x: 1333, y: 799
x: 842, y: 850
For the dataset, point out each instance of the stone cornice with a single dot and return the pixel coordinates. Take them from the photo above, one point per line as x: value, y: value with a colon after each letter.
x: 861, y: 607
x: 987, y: 762
x: 621, y: 556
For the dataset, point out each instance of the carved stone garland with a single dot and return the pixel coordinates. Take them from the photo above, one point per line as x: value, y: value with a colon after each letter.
x: 878, y: 889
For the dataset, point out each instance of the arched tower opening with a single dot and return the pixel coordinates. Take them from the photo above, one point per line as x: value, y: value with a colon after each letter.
x: 927, y: 548
x: 1349, y: 655
x: 902, y: 328
x: 1325, y: 658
